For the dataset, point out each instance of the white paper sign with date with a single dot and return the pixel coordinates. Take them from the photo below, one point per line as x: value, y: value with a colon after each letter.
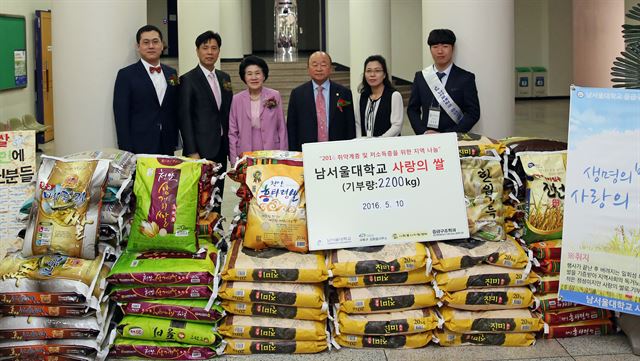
x: 377, y: 191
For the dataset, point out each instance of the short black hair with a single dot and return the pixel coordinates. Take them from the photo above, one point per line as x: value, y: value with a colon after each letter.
x: 206, y: 36
x: 441, y: 36
x: 146, y: 29
x: 253, y: 60
x: 364, y: 87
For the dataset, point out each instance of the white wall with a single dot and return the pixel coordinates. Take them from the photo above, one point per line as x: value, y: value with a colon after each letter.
x: 407, y: 44
x: 531, y: 32
x: 194, y: 18
x: 338, y: 45
x: 156, y: 13
x: 16, y: 103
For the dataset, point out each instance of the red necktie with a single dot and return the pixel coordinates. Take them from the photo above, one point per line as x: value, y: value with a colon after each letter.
x: 155, y: 69
x: 321, y: 112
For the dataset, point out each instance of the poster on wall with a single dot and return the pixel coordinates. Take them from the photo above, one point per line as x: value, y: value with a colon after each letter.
x: 20, y: 67
x: 601, y: 236
x: 17, y: 175
x: 377, y: 191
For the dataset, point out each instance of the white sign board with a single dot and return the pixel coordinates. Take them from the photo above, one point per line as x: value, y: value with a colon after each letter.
x: 377, y: 191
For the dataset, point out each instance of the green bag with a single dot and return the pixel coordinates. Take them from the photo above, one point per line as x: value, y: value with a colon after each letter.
x: 157, y: 329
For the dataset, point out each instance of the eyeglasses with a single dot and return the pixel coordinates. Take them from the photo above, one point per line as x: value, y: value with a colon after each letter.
x: 373, y: 71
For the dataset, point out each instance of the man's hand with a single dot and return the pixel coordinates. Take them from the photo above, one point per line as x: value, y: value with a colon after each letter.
x: 430, y: 131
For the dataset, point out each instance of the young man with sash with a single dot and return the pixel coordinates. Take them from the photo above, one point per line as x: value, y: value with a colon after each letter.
x: 444, y: 97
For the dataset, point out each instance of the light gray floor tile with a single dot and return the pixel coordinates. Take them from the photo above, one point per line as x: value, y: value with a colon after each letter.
x: 334, y: 355
x: 618, y: 357
x: 596, y: 345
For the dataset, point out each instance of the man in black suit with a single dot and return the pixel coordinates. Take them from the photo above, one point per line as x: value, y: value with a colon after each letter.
x: 456, y: 107
x: 145, y: 99
x: 319, y: 110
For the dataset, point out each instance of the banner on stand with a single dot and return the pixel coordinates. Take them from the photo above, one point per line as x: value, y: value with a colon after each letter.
x: 601, y: 233
x: 377, y: 191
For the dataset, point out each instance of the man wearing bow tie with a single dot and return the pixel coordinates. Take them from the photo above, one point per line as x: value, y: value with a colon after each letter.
x: 444, y: 97
x: 145, y: 99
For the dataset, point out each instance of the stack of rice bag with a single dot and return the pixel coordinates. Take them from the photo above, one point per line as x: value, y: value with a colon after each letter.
x: 273, y: 289
x: 384, y: 299
x: 166, y: 279
x: 50, y: 294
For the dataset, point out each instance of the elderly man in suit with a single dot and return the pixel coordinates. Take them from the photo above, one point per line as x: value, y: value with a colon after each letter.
x: 319, y: 110
x: 145, y: 99
x: 444, y: 97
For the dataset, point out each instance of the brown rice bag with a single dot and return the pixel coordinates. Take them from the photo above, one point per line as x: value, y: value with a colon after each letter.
x: 25, y: 328
x: 481, y: 299
x: 270, y: 328
x: 485, y: 276
x: 278, y: 311
x: 386, y: 298
x: 391, y: 323
x: 288, y: 294
x: 575, y: 314
x: 40, y: 349
x: 594, y: 327
x: 516, y: 320
x: 454, y: 255
x: 65, y: 216
x: 391, y: 258
x: 551, y: 249
x: 248, y: 347
x: 549, y: 284
x: 551, y: 302
x: 415, y: 277
x: 475, y: 145
x: 449, y: 338
x: 415, y: 340
x: 273, y: 265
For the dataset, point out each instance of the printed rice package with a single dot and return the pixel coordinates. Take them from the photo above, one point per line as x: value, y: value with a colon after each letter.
x: 551, y: 249
x: 575, y: 314
x: 122, y: 164
x: 279, y: 311
x: 127, y: 293
x: 165, y: 267
x: 24, y: 328
x: 549, y: 284
x: 274, y: 265
x: 475, y: 145
x: 491, y: 298
x: 544, y: 199
x: 550, y: 302
x: 277, y: 211
x: 248, y: 347
x: 245, y: 327
x: 454, y: 255
x: 45, y: 311
x: 386, y: 298
x: 391, y: 258
x: 482, y: 178
x: 415, y: 340
x: 166, y: 190
x: 549, y: 266
x: 39, y: 349
x: 485, y: 276
x: 156, y: 350
x: 175, y: 309
x: 449, y: 338
x: 593, y: 327
x: 392, y: 323
x: 157, y: 329
x: 65, y: 216
x: 415, y: 277
x: 518, y: 320
x: 288, y: 294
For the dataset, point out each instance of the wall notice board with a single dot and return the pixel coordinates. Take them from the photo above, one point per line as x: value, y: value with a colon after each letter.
x: 13, y: 52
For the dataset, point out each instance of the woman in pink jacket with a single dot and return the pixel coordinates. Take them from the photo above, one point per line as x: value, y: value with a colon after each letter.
x: 256, y: 121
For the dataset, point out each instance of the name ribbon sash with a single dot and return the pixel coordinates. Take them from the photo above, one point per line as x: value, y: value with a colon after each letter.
x: 441, y: 95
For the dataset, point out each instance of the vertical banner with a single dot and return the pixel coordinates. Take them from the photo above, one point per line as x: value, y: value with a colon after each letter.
x: 377, y: 191
x: 601, y: 236
x: 17, y: 173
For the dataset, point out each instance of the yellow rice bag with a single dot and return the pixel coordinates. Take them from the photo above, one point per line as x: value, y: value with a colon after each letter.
x: 485, y: 276
x: 386, y: 298
x: 391, y: 323
x: 277, y: 216
x: 273, y: 264
x: 390, y: 258
x: 247, y: 347
x: 475, y: 145
x: 279, y: 311
x: 517, y: 320
x: 449, y: 338
x: 455, y: 255
x: 288, y: 294
x: 251, y: 327
x: 415, y: 340
x: 491, y: 298
x: 415, y: 277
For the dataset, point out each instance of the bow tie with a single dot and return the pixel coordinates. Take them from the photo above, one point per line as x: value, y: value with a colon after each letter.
x: 155, y: 69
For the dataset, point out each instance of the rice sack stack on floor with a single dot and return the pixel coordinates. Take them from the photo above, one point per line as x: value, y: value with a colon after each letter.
x: 50, y: 293
x: 166, y: 280
x: 384, y: 296
x: 274, y: 288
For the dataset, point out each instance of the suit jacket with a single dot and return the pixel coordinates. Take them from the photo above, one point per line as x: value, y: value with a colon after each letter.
x: 461, y: 86
x: 272, y: 125
x: 200, y: 118
x: 143, y: 125
x: 302, y: 120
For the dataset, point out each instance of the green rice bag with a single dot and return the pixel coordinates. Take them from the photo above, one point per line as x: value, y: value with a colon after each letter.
x: 157, y: 329
x: 125, y: 348
x: 175, y: 309
x: 166, y: 190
